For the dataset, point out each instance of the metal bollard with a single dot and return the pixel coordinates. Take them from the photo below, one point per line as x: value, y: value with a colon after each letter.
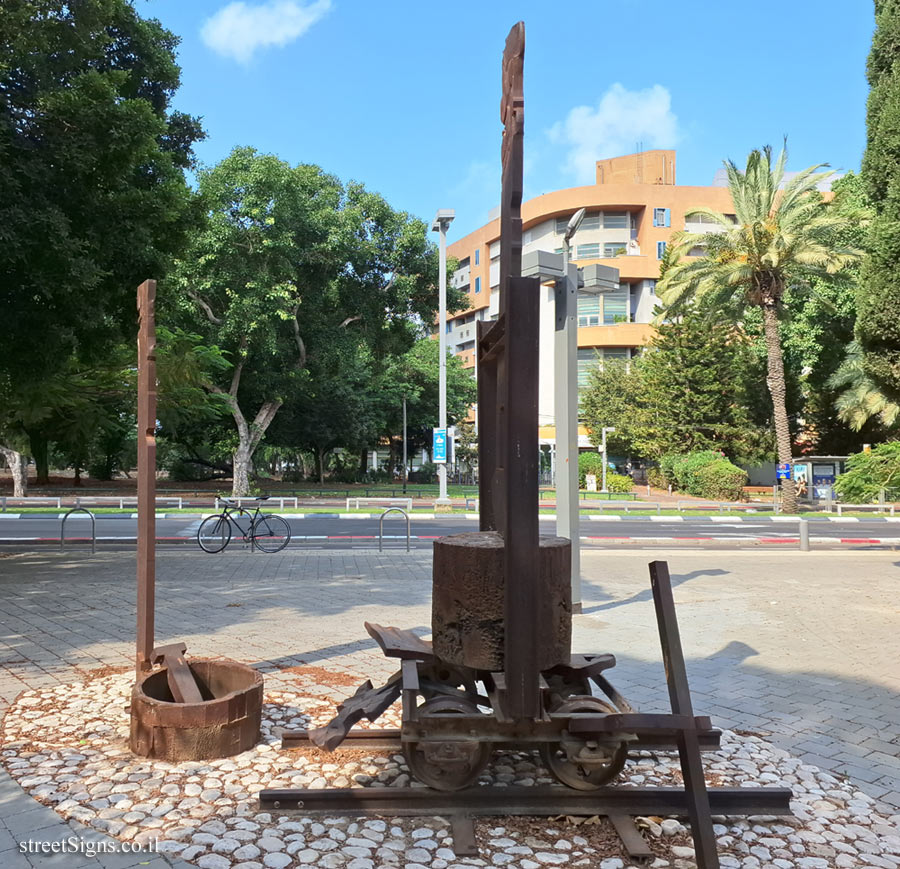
x: 804, y: 535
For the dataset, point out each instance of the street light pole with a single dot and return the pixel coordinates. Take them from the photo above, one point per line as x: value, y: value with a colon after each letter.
x: 565, y: 411
x: 405, y: 461
x: 441, y: 221
x: 605, y: 429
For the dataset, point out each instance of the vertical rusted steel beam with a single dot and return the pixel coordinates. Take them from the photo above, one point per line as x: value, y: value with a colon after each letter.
x: 146, y: 456
x: 525, y: 635
x: 515, y: 480
x: 487, y: 431
x: 680, y: 698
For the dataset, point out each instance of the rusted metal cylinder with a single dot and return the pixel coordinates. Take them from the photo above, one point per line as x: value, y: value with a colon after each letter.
x: 227, y: 722
x: 467, y: 614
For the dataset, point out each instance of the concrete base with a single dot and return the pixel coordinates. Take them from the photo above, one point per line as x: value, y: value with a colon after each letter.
x: 443, y: 505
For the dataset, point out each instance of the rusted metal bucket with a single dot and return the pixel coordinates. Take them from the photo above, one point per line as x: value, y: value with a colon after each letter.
x: 224, y: 723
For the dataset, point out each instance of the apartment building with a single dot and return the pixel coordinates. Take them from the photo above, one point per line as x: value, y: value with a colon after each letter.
x: 632, y: 211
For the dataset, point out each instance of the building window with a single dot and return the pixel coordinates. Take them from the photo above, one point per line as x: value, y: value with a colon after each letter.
x: 477, y: 285
x: 590, y: 221
x: 449, y: 326
x: 660, y: 249
x: 477, y: 256
x: 464, y: 263
x: 559, y: 250
x: 652, y: 288
x: 615, y: 306
x: 613, y: 248
x: 588, y: 251
x: 561, y: 224
x: 588, y: 309
x: 615, y: 220
x: 701, y: 218
x: 662, y: 217
x: 697, y: 250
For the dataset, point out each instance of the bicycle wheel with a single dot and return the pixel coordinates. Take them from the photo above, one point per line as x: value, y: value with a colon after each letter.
x: 214, y: 533
x: 271, y: 533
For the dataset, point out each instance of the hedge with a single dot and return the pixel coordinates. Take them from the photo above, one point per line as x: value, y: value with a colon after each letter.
x: 706, y: 474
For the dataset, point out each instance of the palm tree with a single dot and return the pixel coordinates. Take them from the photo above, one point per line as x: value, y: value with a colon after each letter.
x: 783, y: 235
x: 861, y: 399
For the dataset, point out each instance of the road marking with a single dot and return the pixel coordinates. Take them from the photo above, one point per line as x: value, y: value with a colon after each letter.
x: 667, y: 518
x: 9, y: 515
x: 605, y: 518
x: 843, y: 519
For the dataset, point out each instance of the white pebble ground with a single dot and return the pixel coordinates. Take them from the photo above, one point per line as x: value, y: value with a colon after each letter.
x: 68, y: 747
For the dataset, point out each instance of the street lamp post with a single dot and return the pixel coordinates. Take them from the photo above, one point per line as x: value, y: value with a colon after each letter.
x: 565, y: 412
x: 442, y: 220
x: 567, y: 282
x: 604, y: 431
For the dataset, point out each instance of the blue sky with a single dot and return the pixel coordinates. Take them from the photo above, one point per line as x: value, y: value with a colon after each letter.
x: 403, y: 95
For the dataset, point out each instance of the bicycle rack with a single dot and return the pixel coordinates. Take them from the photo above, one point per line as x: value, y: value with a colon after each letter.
x: 381, y: 525
x: 62, y: 530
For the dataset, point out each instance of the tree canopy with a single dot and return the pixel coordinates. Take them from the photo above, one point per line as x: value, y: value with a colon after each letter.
x: 878, y: 323
x: 785, y: 234
x: 291, y: 275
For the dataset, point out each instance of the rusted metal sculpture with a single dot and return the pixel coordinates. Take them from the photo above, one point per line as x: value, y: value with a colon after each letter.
x: 146, y: 457
x: 184, y: 710
x: 501, y: 622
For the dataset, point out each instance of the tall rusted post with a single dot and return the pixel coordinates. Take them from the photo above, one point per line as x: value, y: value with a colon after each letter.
x: 146, y: 457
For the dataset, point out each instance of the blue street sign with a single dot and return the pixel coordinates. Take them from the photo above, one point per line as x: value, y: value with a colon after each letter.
x: 783, y: 471
x: 439, y: 445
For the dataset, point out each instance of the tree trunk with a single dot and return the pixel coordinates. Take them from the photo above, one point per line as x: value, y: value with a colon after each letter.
x: 363, y: 463
x: 19, y: 468
x: 77, y: 480
x: 40, y: 452
x: 778, y: 391
x: 320, y: 455
x: 242, y: 461
x: 249, y: 437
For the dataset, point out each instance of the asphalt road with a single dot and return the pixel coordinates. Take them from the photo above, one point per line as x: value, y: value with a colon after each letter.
x: 316, y: 531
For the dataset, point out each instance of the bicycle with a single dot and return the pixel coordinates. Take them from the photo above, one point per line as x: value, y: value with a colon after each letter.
x: 267, y: 531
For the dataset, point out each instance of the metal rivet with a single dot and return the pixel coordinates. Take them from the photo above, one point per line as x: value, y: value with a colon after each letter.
x: 277, y: 804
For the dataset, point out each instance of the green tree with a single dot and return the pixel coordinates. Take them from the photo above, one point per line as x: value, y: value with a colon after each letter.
x: 869, y: 472
x: 783, y: 237
x: 694, y: 392
x: 611, y: 399
x: 291, y: 268
x: 878, y: 323
x: 92, y: 192
x: 415, y: 375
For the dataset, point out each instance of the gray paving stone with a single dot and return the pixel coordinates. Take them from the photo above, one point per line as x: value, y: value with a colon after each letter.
x: 778, y: 643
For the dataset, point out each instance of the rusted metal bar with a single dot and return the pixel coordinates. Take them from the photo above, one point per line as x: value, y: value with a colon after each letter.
x: 630, y: 836
x: 487, y: 430
x: 146, y: 459
x: 181, y: 680
x: 695, y: 790
x: 513, y: 800
x: 388, y: 740
x: 463, y: 828
x: 518, y: 368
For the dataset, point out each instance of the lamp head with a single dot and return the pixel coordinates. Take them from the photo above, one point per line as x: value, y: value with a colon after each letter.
x: 574, y: 223
x: 442, y: 219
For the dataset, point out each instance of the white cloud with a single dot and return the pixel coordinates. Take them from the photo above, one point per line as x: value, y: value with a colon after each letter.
x: 620, y: 120
x: 238, y: 30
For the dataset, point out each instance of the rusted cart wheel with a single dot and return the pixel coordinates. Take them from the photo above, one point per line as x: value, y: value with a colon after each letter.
x: 450, y: 765
x: 440, y: 674
x: 584, y: 764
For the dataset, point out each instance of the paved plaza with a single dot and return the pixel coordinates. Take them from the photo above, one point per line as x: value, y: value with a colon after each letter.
x: 799, y: 647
